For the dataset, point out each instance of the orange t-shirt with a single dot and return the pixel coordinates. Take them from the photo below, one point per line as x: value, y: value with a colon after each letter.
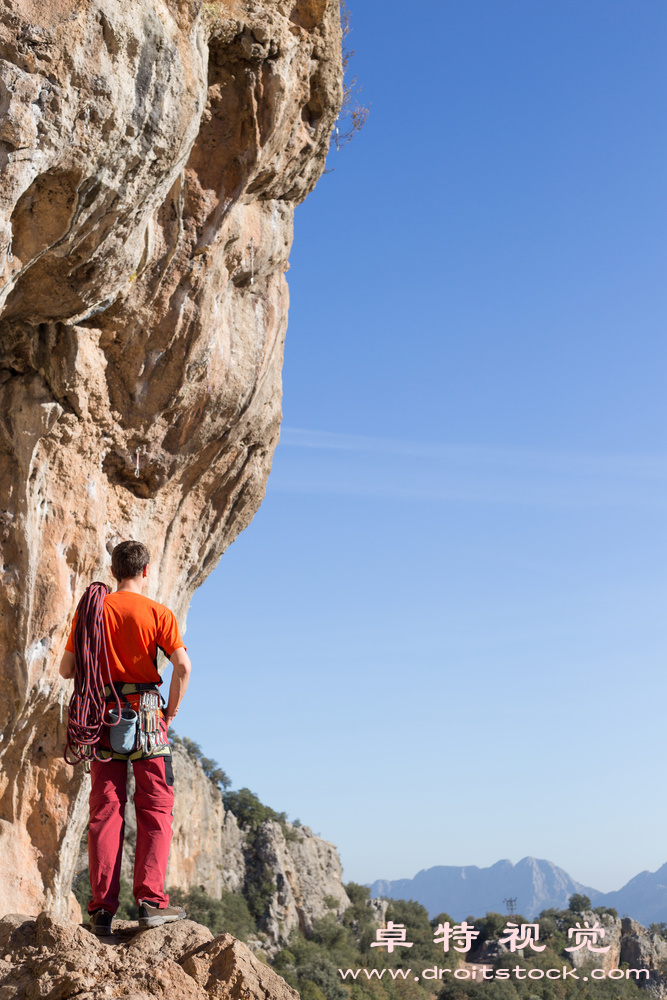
x: 135, y: 628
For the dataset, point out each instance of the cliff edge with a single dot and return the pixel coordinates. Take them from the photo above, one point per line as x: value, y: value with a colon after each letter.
x: 152, y: 153
x: 56, y: 958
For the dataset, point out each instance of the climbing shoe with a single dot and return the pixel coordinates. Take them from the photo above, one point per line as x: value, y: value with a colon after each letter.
x: 153, y: 916
x: 100, y: 922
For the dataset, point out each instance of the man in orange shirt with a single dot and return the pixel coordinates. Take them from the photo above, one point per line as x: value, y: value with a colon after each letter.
x: 135, y: 627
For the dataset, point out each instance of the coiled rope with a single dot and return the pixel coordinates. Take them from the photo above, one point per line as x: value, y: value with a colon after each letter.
x: 87, y: 705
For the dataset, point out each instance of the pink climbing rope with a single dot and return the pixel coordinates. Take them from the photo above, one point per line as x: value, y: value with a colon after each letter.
x: 87, y: 705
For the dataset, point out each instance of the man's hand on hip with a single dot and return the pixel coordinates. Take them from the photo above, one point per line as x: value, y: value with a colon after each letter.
x: 180, y: 662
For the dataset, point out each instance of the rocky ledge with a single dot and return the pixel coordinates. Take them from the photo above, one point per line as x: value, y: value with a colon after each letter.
x: 55, y: 958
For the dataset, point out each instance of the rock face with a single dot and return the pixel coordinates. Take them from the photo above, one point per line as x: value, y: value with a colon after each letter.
x: 642, y: 949
x: 56, y: 958
x: 226, y: 969
x: 151, y: 155
x: 308, y: 878
x: 612, y: 937
x: 210, y: 850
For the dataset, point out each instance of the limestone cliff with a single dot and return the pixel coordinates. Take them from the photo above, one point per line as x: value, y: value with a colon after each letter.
x: 151, y: 156
x: 308, y: 878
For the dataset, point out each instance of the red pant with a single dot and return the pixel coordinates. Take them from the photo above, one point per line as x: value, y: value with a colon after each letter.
x: 154, y: 802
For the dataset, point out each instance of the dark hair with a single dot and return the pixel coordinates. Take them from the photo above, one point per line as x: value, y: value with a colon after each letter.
x: 128, y: 560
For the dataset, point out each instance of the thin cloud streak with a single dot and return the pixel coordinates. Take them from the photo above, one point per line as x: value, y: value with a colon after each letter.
x: 353, y: 465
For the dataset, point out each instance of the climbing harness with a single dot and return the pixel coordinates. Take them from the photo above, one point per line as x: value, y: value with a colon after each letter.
x: 87, y: 706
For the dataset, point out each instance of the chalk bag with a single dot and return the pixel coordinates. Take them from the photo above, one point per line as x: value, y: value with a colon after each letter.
x: 123, y: 734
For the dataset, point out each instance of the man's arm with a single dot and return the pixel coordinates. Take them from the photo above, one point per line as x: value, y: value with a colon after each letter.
x: 66, y: 668
x: 180, y: 676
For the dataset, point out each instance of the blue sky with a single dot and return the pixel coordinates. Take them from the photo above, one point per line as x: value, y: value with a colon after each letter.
x: 442, y: 639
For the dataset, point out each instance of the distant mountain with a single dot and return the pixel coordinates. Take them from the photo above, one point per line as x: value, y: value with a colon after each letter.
x: 644, y: 897
x: 536, y: 884
x: 461, y: 892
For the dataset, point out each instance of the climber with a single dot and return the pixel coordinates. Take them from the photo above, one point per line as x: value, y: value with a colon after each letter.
x: 134, y: 628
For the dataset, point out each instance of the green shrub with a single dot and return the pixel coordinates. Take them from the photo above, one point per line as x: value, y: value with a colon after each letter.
x: 578, y: 903
x: 192, y: 747
x: 249, y: 811
x: 357, y: 893
x: 258, y: 888
x: 320, y: 972
x: 229, y: 914
x: 211, y: 768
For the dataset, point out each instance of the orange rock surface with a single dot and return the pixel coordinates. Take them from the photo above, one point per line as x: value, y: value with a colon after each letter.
x: 152, y: 153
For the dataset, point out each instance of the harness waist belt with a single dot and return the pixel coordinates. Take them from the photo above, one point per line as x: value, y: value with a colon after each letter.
x: 129, y: 688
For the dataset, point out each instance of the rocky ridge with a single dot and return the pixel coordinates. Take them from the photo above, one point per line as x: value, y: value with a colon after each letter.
x: 55, y: 958
x: 151, y: 156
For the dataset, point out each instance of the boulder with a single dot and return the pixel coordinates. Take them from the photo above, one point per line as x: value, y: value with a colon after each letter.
x: 51, y: 957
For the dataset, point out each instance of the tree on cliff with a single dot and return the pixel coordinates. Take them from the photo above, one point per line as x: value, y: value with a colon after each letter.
x: 578, y: 903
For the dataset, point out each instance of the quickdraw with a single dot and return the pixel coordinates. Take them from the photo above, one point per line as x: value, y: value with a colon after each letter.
x: 151, y: 736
